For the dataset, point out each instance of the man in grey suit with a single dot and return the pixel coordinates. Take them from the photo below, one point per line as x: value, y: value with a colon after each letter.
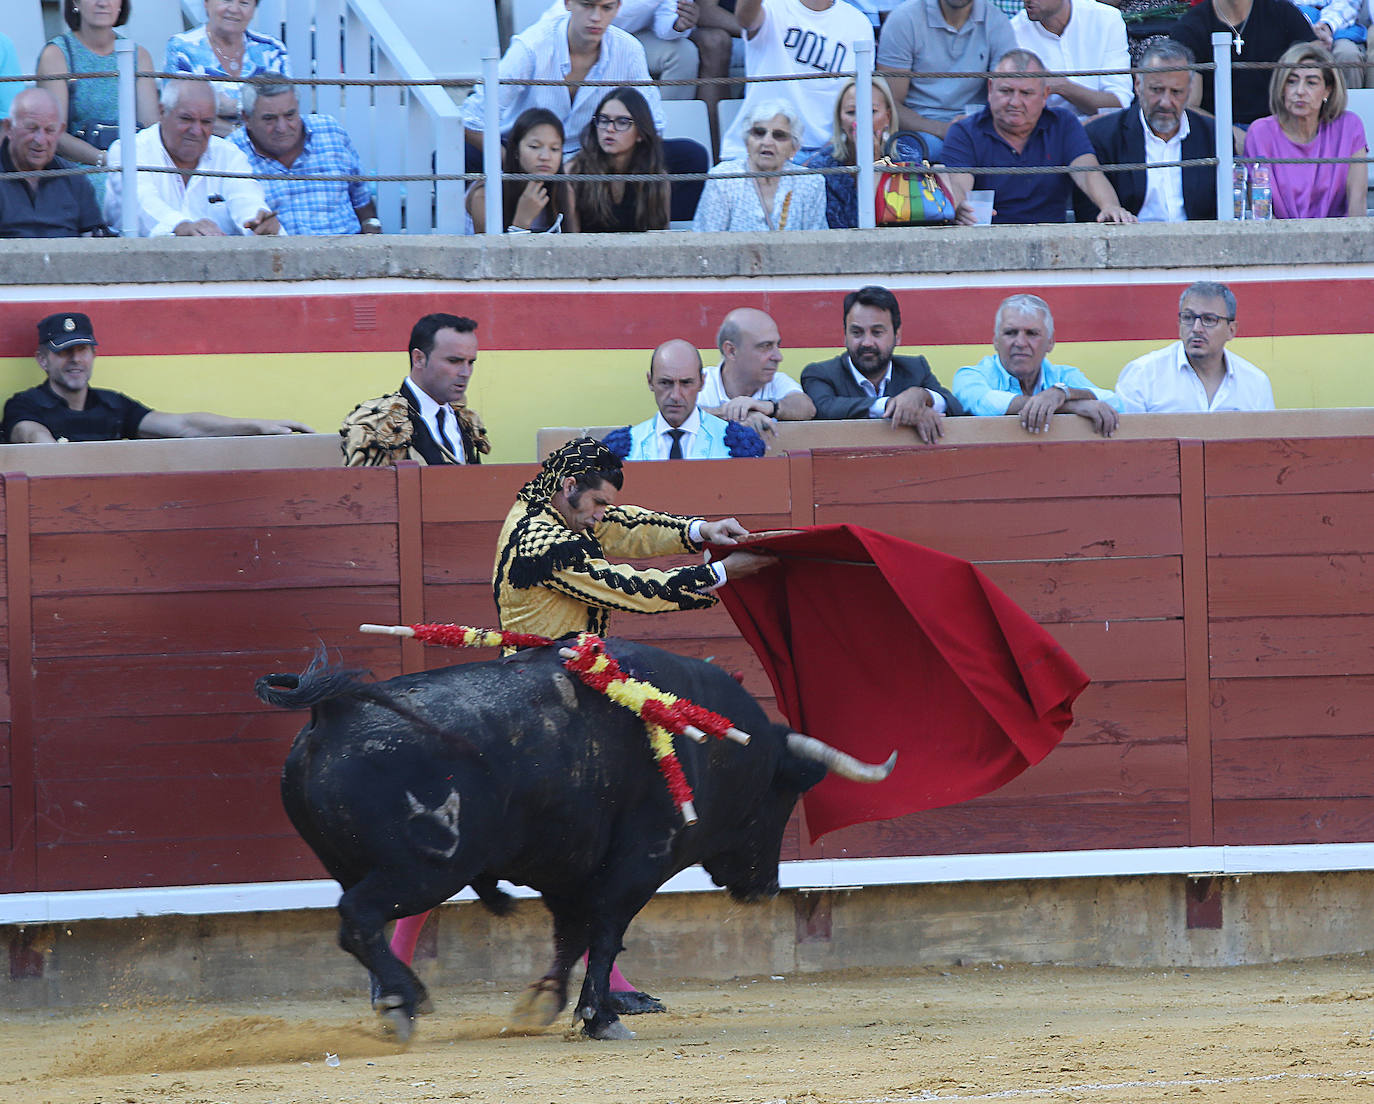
x: 867, y: 381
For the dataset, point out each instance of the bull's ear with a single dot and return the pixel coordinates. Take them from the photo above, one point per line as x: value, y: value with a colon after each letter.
x: 798, y: 774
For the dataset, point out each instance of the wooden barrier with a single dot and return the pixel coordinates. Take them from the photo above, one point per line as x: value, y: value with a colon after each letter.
x: 1214, y: 590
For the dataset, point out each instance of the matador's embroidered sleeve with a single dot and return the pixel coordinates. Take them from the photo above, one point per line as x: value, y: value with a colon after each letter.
x: 377, y: 433
x: 635, y: 531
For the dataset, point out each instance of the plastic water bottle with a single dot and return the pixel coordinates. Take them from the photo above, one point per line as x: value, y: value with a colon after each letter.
x: 1238, y: 189
x: 1261, y: 198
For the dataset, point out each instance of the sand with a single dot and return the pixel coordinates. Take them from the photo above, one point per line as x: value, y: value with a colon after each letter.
x: 1292, y: 1033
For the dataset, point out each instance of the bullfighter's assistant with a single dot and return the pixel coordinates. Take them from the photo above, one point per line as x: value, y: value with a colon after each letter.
x: 552, y: 578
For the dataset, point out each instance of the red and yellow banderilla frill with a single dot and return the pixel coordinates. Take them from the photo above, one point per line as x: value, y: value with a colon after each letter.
x: 663, y: 714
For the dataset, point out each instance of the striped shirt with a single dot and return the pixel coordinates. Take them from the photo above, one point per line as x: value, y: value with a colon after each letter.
x: 312, y: 206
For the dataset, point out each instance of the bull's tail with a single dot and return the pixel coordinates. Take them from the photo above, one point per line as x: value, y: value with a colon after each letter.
x: 317, y: 683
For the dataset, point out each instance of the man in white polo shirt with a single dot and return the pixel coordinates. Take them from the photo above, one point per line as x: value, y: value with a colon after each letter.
x: 1196, y: 375
x: 746, y: 385
x: 796, y: 37
x: 1070, y: 35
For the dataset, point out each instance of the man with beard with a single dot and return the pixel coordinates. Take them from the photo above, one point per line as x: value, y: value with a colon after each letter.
x: 867, y: 381
x: 1156, y: 128
x: 1196, y: 375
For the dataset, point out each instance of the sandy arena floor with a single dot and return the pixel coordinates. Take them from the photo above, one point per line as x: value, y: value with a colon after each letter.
x: 1296, y: 1033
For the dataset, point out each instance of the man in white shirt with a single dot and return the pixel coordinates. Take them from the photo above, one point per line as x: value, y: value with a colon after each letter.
x: 1157, y: 129
x: 783, y: 37
x: 1072, y: 35
x: 746, y: 385
x: 180, y: 203
x: 1196, y: 375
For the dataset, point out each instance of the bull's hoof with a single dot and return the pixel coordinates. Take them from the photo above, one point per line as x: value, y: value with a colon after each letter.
x: 423, y: 1007
x: 609, y: 1032
x: 391, y: 1009
x: 537, y: 1007
x: 633, y: 1002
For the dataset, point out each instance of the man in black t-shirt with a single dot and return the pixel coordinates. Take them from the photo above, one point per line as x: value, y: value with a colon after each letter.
x: 68, y: 408
x: 1261, y: 30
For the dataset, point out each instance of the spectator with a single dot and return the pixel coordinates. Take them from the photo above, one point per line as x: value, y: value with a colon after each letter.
x: 798, y: 37
x: 676, y: 46
x: 1261, y: 30
x: 746, y: 385
x: 179, y: 203
x: 9, y: 67
x: 535, y: 145
x: 427, y: 418
x: 1074, y: 35
x: 867, y: 381
x: 580, y: 45
x: 225, y: 46
x: 795, y: 202
x: 68, y: 408
x: 1307, y: 98
x: 1018, y: 130
x: 620, y: 138
x: 1018, y: 378
x: 941, y: 36
x: 91, y: 107
x: 36, y: 206
x: 681, y: 430
x: 282, y: 145
x: 1342, y: 26
x: 1196, y: 375
x: 1157, y: 127
x: 841, y: 189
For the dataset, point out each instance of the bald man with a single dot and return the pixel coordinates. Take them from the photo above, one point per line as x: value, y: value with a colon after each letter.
x: 746, y: 385
x: 681, y: 430
x: 41, y: 207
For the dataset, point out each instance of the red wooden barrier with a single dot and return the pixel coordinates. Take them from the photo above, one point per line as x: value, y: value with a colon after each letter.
x: 1214, y: 591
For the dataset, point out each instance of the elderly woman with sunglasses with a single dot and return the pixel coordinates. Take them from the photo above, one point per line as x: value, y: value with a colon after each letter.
x: 796, y: 201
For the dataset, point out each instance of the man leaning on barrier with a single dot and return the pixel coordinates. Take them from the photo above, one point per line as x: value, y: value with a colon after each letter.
x: 185, y: 203
x: 67, y: 408
x: 280, y: 143
x: 1156, y: 127
x: 746, y: 385
x: 41, y: 207
x: 1019, y: 378
x: 1017, y: 130
x: 1196, y: 375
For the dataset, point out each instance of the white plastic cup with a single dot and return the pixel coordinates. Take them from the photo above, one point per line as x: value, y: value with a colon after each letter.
x: 981, y: 202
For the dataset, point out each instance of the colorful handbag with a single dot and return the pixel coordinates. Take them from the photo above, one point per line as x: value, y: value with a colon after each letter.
x: 907, y: 191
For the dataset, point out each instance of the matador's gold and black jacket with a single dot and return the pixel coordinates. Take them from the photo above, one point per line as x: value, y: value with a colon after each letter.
x: 552, y: 581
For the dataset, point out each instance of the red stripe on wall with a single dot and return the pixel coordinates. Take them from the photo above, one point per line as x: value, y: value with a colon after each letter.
x: 622, y: 319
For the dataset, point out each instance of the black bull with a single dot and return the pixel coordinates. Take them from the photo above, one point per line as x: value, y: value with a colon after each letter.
x: 411, y: 789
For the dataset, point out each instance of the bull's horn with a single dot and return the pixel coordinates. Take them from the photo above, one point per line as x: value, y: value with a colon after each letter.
x: 846, y: 766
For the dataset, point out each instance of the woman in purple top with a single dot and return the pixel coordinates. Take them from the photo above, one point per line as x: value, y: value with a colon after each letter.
x: 1307, y: 98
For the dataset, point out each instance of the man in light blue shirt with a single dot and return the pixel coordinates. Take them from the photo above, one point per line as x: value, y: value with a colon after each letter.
x: 1020, y: 379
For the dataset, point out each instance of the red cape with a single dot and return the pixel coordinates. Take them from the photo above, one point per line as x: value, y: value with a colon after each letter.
x: 874, y: 644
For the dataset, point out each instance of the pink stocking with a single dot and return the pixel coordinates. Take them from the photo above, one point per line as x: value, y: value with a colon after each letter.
x: 619, y: 982
x: 407, y: 934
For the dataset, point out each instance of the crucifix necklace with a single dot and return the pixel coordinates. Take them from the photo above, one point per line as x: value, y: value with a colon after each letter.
x: 1238, y: 31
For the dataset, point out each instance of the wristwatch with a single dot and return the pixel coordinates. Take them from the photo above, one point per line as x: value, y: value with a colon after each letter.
x: 774, y: 413
x: 1064, y: 387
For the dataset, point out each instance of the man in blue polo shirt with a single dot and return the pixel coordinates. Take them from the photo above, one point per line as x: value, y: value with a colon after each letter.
x: 1018, y: 130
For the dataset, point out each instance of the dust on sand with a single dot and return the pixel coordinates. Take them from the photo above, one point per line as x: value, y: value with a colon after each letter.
x: 1292, y: 1033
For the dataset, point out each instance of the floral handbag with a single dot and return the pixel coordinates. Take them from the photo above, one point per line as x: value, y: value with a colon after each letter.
x: 907, y: 191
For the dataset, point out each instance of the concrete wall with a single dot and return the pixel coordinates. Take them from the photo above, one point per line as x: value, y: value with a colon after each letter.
x: 1141, y: 922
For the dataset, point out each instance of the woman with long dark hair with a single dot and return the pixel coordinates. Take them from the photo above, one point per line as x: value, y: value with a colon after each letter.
x: 534, y: 146
x: 620, y: 137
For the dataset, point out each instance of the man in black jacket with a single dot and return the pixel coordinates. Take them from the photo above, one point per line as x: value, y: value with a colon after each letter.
x: 867, y: 381
x: 1156, y: 127
x: 428, y: 419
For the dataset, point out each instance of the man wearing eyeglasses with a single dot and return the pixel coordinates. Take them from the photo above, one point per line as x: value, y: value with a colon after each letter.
x: 1196, y: 375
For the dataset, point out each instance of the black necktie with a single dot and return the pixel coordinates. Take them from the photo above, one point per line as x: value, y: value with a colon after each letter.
x: 675, y: 449
x: 443, y: 433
